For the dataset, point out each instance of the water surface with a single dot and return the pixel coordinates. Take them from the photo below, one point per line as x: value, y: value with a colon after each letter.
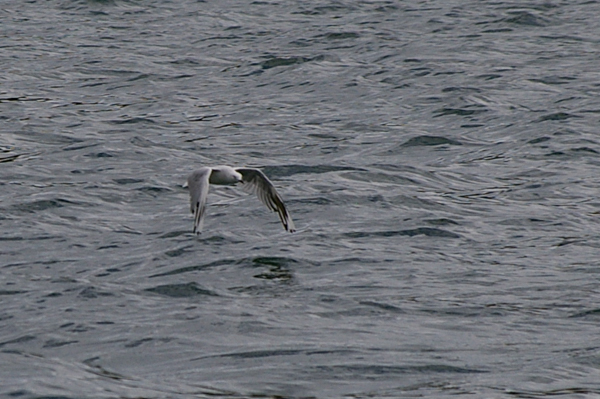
x: 440, y: 160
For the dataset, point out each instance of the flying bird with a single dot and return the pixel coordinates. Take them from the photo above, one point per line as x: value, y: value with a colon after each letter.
x: 252, y: 180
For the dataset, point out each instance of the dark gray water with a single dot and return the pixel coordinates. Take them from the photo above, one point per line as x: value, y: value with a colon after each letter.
x: 440, y: 158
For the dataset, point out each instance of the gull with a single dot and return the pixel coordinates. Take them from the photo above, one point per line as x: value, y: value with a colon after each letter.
x: 252, y: 180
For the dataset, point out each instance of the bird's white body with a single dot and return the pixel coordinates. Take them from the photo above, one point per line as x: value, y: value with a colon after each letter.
x: 253, y: 180
x: 224, y: 175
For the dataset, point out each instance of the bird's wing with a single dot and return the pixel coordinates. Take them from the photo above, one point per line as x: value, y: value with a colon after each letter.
x: 257, y: 183
x: 198, y: 186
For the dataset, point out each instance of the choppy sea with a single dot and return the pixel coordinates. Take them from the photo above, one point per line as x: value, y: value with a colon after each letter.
x: 441, y: 161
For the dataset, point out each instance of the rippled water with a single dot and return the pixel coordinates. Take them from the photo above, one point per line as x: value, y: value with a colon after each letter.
x: 440, y: 160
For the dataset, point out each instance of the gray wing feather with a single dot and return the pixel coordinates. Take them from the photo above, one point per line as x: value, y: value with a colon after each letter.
x: 255, y: 182
x: 198, y: 186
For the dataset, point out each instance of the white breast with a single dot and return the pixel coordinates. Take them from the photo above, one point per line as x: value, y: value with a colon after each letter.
x: 224, y: 175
